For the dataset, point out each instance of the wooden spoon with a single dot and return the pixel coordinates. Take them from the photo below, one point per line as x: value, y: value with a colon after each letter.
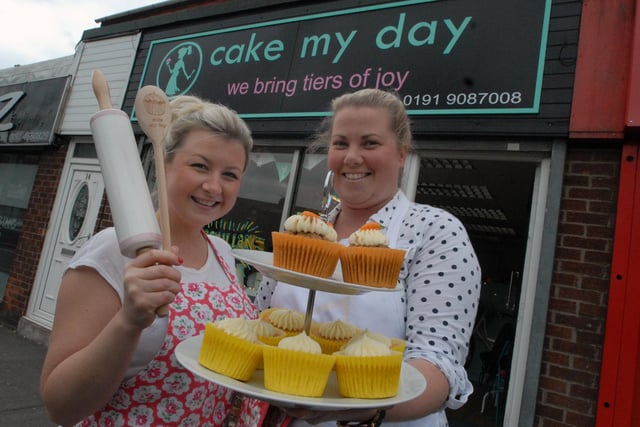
x: 154, y: 116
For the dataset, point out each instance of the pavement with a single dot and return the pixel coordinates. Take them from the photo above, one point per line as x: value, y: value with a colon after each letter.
x: 20, y: 365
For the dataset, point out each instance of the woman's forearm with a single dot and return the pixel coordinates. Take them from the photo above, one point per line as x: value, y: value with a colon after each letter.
x: 431, y: 400
x: 86, y: 380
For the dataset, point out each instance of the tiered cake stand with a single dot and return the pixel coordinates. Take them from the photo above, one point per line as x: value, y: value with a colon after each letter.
x: 412, y: 383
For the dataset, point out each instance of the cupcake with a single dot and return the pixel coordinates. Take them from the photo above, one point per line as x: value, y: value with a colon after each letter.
x: 369, y: 261
x: 266, y: 332
x: 367, y: 368
x: 287, y: 320
x: 297, y: 366
x: 333, y: 335
x: 307, y: 245
x: 394, y: 344
x: 230, y: 347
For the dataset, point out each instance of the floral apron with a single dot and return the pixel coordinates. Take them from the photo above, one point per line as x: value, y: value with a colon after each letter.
x: 166, y: 394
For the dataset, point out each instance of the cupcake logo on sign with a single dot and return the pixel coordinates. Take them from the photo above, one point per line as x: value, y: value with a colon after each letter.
x: 180, y: 68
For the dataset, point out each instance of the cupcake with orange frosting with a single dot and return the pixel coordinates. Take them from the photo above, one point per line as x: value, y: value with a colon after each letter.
x: 297, y: 366
x: 367, y: 368
x: 231, y: 348
x: 368, y: 260
x: 307, y: 245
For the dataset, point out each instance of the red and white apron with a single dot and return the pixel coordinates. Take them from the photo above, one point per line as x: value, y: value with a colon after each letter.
x: 166, y: 394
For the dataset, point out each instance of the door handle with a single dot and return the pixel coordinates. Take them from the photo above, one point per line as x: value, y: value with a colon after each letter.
x: 85, y: 237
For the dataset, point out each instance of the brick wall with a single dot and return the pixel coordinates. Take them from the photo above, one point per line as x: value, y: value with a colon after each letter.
x: 571, y: 361
x: 104, y: 219
x: 34, y: 229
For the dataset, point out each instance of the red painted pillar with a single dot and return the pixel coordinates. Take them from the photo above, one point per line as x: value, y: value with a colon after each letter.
x: 619, y: 393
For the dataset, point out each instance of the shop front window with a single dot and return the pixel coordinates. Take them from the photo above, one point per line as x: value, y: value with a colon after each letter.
x: 258, y: 210
x: 16, y: 182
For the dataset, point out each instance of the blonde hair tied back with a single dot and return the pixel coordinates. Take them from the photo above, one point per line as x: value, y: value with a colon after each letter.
x: 190, y: 112
x: 372, y: 98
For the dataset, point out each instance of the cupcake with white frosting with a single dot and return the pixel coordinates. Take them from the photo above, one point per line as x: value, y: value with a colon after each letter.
x: 307, y: 245
x: 333, y: 335
x: 288, y: 320
x: 231, y: 347
x: 368, y: 260
x: 368, y: 368
x: 297, y: 366
x: 266, y: 332
x: 395, y: 344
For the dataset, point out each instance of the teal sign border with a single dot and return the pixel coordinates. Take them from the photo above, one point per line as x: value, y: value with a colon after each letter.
x: 160, y: 48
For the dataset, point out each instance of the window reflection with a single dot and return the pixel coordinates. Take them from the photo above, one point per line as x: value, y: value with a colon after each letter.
x: 309, y: 190
x: 258, y: 210
x: 78, y: 212
x: 262, y: 200
x: 16, y: 183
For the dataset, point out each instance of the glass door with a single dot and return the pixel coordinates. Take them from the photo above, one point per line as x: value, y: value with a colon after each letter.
x: 492, y: 196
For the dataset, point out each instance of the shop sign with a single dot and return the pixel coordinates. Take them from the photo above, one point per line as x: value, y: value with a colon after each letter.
x: 28, y: 111
x: 442, y: 57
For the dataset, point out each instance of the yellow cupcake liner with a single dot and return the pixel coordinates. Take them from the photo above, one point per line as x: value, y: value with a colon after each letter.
x: 307, y: 255
x: 295, y: 372
x: 378, y: 267
x: 229, y: 355
x: 271, y: 341
x: 368, y: 377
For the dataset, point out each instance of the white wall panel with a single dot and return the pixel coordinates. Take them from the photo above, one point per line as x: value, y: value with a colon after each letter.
x: 114, y: 57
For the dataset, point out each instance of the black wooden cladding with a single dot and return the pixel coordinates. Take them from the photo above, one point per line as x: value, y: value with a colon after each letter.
x: 552, y: 119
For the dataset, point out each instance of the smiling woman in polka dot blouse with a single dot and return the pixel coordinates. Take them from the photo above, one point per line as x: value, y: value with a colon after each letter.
x: 368, y: 140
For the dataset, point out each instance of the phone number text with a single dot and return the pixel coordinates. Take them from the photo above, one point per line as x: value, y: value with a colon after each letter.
x: 463, y: 99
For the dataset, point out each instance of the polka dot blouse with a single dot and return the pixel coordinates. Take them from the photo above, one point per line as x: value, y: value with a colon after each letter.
x: 441, y: 281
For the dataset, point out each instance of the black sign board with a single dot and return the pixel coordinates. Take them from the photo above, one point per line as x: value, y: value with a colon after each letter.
x: 28, y: 111
x: 448, y: 57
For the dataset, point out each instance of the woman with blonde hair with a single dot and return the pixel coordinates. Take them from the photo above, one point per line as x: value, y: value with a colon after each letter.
x: 368, y: 138
x: 111, y: 359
